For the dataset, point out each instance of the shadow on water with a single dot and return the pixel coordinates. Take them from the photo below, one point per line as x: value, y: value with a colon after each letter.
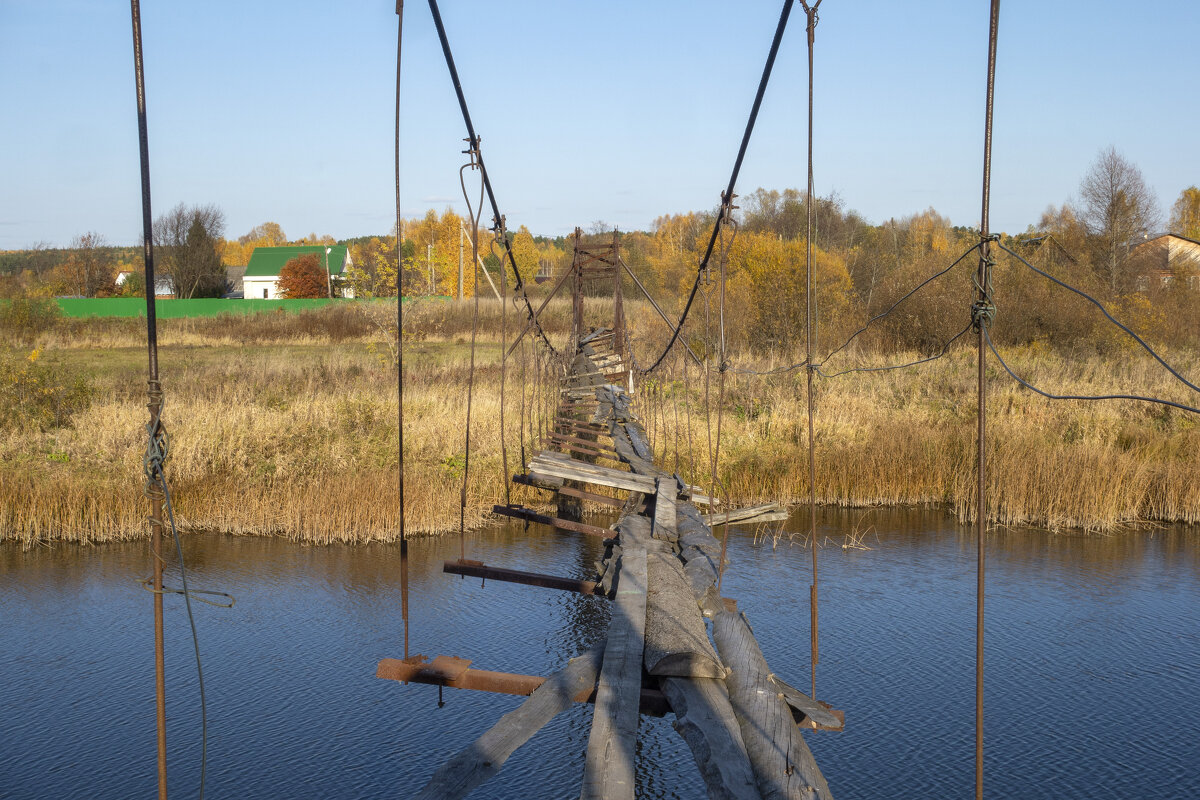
x: 1092, y: 652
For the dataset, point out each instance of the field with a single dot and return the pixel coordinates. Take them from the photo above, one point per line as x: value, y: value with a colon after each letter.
x: 287, y: 425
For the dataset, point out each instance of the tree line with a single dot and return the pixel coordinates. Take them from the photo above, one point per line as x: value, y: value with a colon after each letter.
x: 860, y: 269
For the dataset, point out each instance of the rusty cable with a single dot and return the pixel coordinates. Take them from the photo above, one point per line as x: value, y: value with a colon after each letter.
x: 519, y: 285
x: 472, y: 152
x: 727, y: 195
x: 712, y: 498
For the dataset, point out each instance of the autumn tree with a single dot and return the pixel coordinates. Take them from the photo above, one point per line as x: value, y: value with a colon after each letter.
x: 187, y: 240
x: 303, y: 277
x: 90, y: 269
x: 1118, y: 210
x: 1185, y: 214
x: 525, y: 254
x: 268, y: 234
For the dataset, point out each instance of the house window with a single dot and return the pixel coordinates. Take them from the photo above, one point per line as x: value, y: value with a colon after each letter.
x: 264, y: 294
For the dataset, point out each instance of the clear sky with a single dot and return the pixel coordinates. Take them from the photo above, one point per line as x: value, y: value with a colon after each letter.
x: 617, y: 111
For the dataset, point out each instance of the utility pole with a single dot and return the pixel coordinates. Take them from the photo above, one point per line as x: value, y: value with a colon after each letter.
x: 328, y: 275
x: 429, y: 264
x: 460, y: 262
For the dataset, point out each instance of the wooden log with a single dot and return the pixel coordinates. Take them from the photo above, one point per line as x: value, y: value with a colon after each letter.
x: 784, y: 767
x: 484, y: 758
x: 609, y: 766
x: 704, y: 718
x: 676, y: 640
x: 581, y: 494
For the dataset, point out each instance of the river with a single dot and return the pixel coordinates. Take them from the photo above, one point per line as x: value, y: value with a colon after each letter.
x: 1093, y: 664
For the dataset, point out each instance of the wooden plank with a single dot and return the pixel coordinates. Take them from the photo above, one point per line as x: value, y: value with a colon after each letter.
x: 784, y: 767
x: 664, y: 509
x: 579, y: 450
x: 487, y: 754
x: 561, y: 524
x: 751, y: 515
x: 676, y: 640
x: 609, y: 766
x: 704, y: 718
x: 613, y: 478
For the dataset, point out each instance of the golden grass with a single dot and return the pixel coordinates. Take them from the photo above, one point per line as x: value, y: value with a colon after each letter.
x: 278, y: 433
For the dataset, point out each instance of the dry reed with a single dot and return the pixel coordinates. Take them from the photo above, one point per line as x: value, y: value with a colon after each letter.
x: 287, y: 430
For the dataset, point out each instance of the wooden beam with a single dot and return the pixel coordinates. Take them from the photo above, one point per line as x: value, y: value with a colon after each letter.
x: 562, y: 524
x: 477, y: 569
x: 704, y: 718
x: 676, y: 640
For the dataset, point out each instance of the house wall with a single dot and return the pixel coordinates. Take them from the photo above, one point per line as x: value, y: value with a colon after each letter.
x: 252, y: 288
x: 1182, y: 253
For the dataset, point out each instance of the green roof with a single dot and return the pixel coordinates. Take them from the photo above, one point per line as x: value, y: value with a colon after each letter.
x: 268, y: 261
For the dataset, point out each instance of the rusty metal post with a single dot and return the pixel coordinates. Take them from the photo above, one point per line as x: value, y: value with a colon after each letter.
x: 981, y: 315
x: 400, y: 332
x: 154, y: 403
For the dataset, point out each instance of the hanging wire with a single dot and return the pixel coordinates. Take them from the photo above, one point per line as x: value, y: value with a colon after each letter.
x: 727, y: 195
x: 818, y: 366
x: 712, y: 498
x: 1110, y: 318
x: 473, y: 154
x: 945, y: 349
x: 1052, y: 396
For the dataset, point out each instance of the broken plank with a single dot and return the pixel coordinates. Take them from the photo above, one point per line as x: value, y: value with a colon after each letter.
x: 664, y: 509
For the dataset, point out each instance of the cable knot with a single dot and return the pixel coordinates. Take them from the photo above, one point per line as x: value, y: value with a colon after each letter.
x: 983, y: 310
x: 157, y: 441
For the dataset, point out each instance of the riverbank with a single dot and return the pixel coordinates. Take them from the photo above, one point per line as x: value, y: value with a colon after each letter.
x: 289, y: 427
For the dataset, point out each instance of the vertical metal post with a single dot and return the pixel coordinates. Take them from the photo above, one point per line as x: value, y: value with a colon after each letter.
x: 153, y: 405
x: 576, y: 298
x: 809, y: 345
x: 400, y: 334
x: 982, y: 304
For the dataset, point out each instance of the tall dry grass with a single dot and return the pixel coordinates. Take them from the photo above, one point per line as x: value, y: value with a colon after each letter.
x: 285, y: 430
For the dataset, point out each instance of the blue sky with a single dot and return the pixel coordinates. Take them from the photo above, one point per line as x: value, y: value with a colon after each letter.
x: 617, y: 111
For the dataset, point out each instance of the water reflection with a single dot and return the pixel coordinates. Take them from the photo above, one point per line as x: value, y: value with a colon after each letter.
x: 1093, y: 646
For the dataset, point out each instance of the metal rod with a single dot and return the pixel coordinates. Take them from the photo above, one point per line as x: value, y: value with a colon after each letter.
x: 809, y: 346
x: 154, y: 403
x: 400, y: 334
x: 984, y: 279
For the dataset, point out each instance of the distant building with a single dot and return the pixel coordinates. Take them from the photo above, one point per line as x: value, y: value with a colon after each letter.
x: 1166, y: 257
x: 262, y: 273
x: 163, y: 288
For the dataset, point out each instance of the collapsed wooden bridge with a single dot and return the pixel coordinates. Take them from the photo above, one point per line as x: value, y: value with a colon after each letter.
x: 661, y: 571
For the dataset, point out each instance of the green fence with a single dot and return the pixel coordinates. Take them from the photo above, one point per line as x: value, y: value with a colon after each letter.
x: 80, y: 307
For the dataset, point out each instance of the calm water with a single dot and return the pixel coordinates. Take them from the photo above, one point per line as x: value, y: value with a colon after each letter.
x: 1093, y: 657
